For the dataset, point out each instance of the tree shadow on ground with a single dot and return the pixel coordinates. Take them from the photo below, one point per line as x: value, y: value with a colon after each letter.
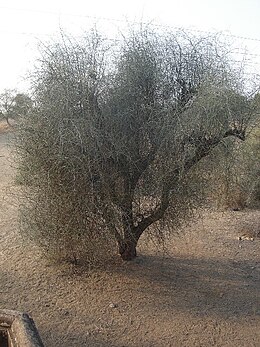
x: 204, y: 286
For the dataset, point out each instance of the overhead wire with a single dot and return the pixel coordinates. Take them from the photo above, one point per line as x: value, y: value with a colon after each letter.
x: 152, y: 23
x: 244, y: 52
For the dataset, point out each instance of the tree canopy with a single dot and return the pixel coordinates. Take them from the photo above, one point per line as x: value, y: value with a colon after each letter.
x: 119, y: 126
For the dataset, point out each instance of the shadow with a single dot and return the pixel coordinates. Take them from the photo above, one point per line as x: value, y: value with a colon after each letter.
x: 78, y: 340
x: 150, y: 292
x: 214, y: 287
x: 3, y: 338
x: 156, y: 298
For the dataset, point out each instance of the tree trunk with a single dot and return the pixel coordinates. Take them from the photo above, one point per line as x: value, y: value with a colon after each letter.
x: 127, y: 249
x: 7, y: 121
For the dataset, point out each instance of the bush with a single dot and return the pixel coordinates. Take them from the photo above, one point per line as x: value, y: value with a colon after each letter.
x: 233, y: 176
x: 114, y: 142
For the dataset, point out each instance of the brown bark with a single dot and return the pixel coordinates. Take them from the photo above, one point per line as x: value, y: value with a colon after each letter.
x: 127, y: 249
x: 7, y: 121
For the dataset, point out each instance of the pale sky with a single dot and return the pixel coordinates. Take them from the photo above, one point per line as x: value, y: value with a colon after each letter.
x: 24, y: 22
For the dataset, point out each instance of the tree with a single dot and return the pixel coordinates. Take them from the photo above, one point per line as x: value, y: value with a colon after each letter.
x: 118, y: 130
x: 14, y: 105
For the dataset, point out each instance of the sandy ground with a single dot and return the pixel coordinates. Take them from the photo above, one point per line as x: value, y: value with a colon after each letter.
x: 205, y: 291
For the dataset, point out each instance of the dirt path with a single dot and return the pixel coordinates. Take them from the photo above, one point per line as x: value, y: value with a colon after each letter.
x: 204, y: 292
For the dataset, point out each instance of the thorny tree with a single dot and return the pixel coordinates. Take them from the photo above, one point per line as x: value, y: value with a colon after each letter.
x: 14, y: 105
x: 118, y: 126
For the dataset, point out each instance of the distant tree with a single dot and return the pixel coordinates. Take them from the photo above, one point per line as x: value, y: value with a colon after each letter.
x: 14, y: 105
x: 117, y: 132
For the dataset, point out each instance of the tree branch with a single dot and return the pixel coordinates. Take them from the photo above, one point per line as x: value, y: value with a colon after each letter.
x: 204, y: 146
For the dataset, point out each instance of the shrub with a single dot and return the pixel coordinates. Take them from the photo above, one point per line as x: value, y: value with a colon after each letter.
x: 117, y: 134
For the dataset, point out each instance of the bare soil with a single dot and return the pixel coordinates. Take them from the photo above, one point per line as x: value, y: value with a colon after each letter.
x: 204, y: 291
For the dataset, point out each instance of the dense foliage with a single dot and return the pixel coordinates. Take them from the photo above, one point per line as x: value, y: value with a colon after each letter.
x: 117, y: 133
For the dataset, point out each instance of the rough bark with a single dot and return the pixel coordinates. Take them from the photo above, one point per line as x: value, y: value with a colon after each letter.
x: 127, y: 249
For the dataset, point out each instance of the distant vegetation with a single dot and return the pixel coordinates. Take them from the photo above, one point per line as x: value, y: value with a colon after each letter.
x: 233, y: 176
x: 123, y: 137
x: 14, y: 105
